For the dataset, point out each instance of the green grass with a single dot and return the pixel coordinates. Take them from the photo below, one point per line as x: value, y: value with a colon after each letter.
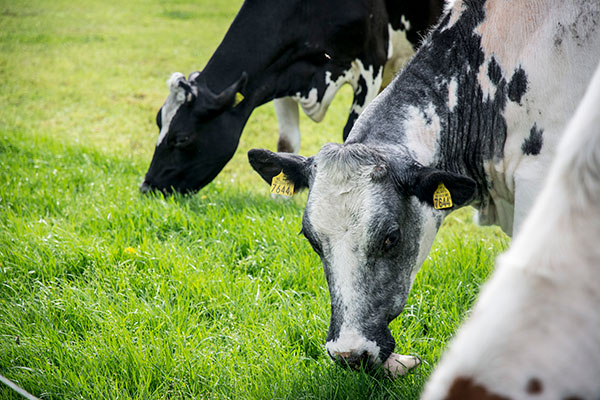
x: 105, y: 293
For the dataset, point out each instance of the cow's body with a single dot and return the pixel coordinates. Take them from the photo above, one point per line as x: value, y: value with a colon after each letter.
x: 298, y: 52
x: 480, y: 109
x: 535, y: 331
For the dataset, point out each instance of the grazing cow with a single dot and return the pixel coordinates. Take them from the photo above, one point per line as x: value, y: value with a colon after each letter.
x: 535, y: 331
x: 473, y: 119
x: 297, y: 51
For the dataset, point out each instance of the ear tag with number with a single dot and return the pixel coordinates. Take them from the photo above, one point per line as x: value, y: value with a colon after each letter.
x: 442, y: 198
x: 238, y: 99
x: 281, y: 185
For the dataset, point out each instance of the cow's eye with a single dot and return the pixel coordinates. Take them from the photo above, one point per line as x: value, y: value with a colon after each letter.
x: 182, y: 141
x: 391, y: 240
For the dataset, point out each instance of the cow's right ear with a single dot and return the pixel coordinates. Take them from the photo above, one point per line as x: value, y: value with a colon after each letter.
x: 269, y: 164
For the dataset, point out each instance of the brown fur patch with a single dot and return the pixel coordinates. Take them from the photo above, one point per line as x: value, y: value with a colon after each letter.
x: 464, y: 389
x: 534, y: 386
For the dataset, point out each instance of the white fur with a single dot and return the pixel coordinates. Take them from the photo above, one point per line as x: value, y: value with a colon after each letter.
x: 351, y: 341
x: 288, y: 118
x: 339, y: 212
x: 539, y: 315
x: 316, y: 109
x: 175, y: 99
x: 452, y: 94
x: 427, y: 122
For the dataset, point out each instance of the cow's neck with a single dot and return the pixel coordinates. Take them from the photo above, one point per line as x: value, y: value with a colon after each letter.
x: 450, y: 101
x: 257, y: 52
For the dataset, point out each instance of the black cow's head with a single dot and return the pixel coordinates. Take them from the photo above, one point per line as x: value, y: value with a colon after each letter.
x: 304, y: 49
x: 192, y: 147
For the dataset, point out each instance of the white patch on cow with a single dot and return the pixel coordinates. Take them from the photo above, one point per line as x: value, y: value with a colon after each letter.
x: 316, y: 109
x: 430, y: 228
x: 339, y: 210
x: 499, y: 206
x: 455, y: 8
x: 351, y: 341
x: 424, y: 127
x: 286, y: 109
x: 373, y: 79
x: 452, y: 94
x: 175, y: 99
x: 405, y: 22
x: 487, y: 86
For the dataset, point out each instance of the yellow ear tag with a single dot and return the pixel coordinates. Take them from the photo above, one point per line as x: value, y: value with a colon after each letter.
x: 281, y: 185
x: 442, y: 198
x: 238, y: 99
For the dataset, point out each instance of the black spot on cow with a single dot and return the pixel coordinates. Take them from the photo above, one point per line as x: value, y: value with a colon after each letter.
x: 517, y: 86
x: 532, y: 145
x: 494, y: 71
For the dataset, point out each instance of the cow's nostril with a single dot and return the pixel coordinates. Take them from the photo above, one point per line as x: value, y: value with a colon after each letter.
x: 350, y: 359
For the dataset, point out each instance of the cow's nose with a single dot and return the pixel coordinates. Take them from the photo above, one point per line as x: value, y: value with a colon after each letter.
x: 351, y: 359
x: 145, y: 187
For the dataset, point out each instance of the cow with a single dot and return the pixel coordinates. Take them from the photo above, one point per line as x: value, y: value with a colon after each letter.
x: 296, y: 52
x: 473, y: 119
x: 535, y: 331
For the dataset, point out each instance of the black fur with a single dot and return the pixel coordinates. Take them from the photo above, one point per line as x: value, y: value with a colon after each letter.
x: 533, y: 144
x: 517, y: 86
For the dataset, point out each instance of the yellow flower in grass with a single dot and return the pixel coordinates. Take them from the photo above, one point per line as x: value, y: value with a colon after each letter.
x: 130, y: 250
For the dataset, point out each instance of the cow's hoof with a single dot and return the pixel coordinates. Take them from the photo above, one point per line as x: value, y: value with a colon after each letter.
x: 398, y: 365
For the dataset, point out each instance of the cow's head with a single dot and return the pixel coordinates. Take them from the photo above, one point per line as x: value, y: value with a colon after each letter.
x: 370, y: 217
x: 192, y: 147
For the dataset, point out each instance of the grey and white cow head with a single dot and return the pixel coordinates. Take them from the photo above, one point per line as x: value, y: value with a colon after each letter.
x: 370, y: 217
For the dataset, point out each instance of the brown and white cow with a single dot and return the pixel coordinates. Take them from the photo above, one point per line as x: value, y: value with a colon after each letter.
x: 479, y: 109
x: 535, y: 331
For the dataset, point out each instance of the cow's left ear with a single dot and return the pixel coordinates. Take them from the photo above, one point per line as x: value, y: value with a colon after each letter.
x: 442, y: 189
x: 269, y: 164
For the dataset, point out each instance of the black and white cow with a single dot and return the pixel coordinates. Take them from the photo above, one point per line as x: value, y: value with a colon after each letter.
x: 297, y: 51
x: 535, y: 331
x: 479, y: 110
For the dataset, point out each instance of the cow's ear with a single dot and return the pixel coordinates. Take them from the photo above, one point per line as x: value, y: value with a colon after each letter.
x: 269, y: 164
x: 209, y: 104
x: 449, y: 189
x: 229, y: 95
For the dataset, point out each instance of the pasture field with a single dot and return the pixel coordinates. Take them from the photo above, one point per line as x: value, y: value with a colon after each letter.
x: 108, y: 294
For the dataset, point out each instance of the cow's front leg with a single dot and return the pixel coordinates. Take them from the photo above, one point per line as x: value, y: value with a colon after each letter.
x: 366, y: 87
x: 286, y: 109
